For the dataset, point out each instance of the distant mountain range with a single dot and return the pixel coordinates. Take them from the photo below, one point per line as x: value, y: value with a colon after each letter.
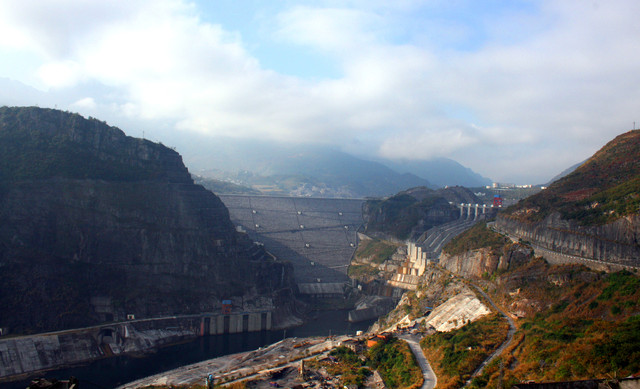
x: 440, y: 172
x: 311, y: 170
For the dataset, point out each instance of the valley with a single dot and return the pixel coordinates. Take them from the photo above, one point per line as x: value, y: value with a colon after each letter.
x: 130, y: 252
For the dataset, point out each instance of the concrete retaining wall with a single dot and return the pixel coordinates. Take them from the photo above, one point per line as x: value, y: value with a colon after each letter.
x: 30, y: 354
x: 236, y: 323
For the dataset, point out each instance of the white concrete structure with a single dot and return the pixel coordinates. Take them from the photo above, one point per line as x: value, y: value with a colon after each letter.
x: 408, y: 275
x: 416, y: 260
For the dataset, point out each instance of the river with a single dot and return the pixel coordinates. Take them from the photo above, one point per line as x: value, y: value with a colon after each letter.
x: 111, y: 372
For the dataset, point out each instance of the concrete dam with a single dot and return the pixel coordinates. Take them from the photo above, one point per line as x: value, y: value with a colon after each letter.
x: 317, y: 235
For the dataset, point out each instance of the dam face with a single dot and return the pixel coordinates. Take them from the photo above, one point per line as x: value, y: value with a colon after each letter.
x: 318, y: 236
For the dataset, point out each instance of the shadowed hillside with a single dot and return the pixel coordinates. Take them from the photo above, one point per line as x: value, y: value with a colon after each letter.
x: 410, y: 213
x: 97, y: 225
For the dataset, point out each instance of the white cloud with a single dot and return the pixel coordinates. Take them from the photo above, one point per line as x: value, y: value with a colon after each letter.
x: 60, y: 74
x: 85, y: 103
x: 561, y: 77
x: 335, y: 30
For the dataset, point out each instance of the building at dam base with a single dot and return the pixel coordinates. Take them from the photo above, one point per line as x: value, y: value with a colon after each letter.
x: 235, y: 323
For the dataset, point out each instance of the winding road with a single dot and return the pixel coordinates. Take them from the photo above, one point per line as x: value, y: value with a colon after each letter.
x: 503, y: 346
x: 430, y: 379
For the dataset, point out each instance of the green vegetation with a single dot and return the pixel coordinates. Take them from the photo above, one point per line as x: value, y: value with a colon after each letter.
x: 603, y: 189
x: 399, y: 214
x: 349, y: 366
x: 39, y: 143
x: 360, y: 271
x: 398, y: 219
x: 455, y: 355
x: 375, y: 250
x: 608, y: 205
x: 392, y: 358
x: 478, y: 236
x: 396, y: 364
x: 587, y: 326
x: 620, y: 284
x: 563, y: 348
x: 620, y: 346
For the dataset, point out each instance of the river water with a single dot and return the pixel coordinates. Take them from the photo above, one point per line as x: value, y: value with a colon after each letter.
x: 111, y: 372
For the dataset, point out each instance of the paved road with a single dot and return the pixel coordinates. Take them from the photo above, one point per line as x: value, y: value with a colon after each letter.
x: 503, y: 346
x: 430, y: 379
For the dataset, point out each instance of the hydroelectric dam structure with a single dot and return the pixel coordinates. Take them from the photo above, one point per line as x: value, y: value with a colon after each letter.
x: 317, y: 235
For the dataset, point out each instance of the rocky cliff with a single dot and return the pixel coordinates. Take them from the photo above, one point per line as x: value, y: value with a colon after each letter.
x: 485, y: 261
x: 615, y: 242
x: 97, y: 225
x: 442, y: 301
x: 592, y: 212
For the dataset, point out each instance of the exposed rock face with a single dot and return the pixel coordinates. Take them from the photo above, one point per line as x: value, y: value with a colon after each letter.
x: 456, y: 312
x: 477, y: 263
x: 437, y: 288
x: 591, y: 213
x: 613, y: 242
x: 89, y: 214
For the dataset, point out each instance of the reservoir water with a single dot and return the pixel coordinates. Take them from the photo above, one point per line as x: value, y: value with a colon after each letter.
x: 111, y: 372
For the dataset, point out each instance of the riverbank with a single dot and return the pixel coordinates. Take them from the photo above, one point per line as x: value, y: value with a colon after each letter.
x: 245, y: 365
x: 28, y: 355
x: 117, y: 370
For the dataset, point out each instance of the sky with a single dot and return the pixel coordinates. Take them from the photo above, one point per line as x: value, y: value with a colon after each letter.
x: 516, y: 90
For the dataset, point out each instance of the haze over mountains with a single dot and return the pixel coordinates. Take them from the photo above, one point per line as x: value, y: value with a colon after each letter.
x: 97, y: 225
x: 401, y: 109
x: 315, y: 170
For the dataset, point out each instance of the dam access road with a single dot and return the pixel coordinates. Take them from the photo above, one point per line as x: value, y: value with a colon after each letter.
x: 278, y: 365
x: 248, y: 365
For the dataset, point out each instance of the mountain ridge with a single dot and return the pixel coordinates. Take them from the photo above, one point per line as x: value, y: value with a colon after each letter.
x: 592, y: 213
x: 120, y: 222
x: 440, y: 171
x: 295, y: 168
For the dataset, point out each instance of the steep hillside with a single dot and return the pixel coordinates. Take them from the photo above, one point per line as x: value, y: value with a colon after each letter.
x: 575, y: 324
x: 97, y: 225
x: 572, y: 323
x: 592, y: 212
x: 603, y: 189
x: 409, y: 213
x: 480, y: 252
